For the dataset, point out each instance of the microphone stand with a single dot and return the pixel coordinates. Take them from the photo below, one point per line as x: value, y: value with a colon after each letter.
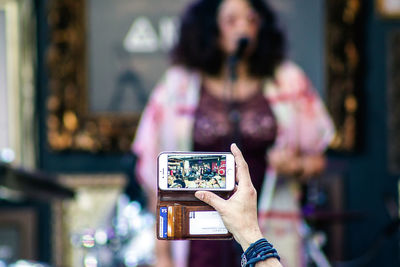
x: 233, y: 112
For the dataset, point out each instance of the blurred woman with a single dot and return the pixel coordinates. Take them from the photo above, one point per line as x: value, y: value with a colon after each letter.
x: 270, y: 110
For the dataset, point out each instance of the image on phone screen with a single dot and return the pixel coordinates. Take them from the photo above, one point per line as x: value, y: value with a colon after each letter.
x: 197, y: 171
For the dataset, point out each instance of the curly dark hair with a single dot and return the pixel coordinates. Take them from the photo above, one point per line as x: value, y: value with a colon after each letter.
x: 198, y: 47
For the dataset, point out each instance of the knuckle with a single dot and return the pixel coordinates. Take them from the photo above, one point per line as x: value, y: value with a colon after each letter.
x: 252, y: 191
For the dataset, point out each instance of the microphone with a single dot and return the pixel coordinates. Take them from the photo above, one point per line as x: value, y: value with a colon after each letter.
x: 241, y: 46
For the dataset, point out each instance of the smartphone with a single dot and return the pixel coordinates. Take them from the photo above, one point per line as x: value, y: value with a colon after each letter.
x: 196, y: 171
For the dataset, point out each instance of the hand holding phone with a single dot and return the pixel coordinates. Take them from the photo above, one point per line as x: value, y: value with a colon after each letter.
x: 180, y: 174
x: 239, y: 212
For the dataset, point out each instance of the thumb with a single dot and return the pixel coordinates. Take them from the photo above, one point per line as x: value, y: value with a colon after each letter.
x: 211, y: 199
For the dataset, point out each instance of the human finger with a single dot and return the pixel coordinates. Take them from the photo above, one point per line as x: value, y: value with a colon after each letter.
x: 242, y: 169
x: 211, y: 199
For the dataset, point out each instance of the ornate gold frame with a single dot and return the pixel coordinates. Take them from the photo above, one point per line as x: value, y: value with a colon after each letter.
x: 71, y: 127
x: 343, y: 70
x: 69, y: 124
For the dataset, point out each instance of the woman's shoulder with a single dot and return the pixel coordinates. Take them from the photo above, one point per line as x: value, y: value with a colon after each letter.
x: 179, y: 72
x: 178, y: 84
x: 179, y: 78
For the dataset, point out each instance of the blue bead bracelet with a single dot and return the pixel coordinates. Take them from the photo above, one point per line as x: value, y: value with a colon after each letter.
x: 258, y: 251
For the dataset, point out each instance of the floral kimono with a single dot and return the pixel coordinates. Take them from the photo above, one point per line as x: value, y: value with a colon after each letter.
x: 303, y: 124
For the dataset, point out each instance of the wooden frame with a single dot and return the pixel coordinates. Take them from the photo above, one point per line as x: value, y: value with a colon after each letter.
x: 343, y: 70
x: 388, y: 8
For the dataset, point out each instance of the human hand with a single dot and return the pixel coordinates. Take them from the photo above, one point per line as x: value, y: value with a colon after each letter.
x: 294, y: 164
x: 239, y: 212
x: 286, y: 162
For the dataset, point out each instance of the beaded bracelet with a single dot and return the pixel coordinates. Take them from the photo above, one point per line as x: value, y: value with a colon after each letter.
x: 258, y: 251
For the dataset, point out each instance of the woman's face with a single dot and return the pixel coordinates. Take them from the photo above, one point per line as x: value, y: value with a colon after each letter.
x: 236, y: 19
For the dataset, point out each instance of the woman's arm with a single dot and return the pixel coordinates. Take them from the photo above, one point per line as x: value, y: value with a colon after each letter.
x: 305, y: 127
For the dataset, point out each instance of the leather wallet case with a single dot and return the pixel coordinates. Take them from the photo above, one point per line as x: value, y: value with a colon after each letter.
x: 180, y: 215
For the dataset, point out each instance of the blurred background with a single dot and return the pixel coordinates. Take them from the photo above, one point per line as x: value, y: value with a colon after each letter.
x: 75, y: 76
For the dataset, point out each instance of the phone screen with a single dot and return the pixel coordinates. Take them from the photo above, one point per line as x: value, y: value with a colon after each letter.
x: 196, y: 171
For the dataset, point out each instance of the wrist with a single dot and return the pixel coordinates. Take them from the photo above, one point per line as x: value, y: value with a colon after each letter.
x: 249, y: 237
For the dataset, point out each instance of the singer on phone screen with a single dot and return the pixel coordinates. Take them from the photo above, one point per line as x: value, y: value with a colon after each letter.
x: 230, y: 82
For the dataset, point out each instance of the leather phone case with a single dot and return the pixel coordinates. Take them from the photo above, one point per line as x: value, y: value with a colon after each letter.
x: 180, y: 215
